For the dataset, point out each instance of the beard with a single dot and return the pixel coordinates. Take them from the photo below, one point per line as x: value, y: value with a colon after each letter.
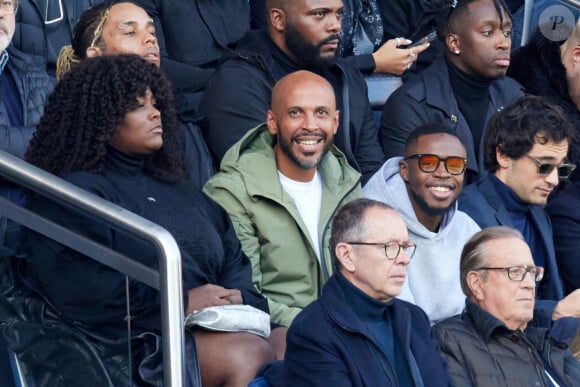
x: 307, y: 53
x: 430, y: 210
x: 306, y: 164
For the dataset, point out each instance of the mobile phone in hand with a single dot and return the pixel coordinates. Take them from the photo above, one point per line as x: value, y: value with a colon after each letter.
x: 425, y: 39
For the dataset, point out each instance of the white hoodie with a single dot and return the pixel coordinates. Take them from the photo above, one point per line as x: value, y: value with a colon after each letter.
x: 433, y: 274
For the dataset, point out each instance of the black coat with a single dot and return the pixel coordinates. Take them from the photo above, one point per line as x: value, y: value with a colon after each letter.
x: 192, y: 36
x: 481, y: 351
x: 31, y: 34
x: 537, y: 66
x: 564, y: 212
x: 329, y: 344
x: 428, y: 98
x: 238, y: 97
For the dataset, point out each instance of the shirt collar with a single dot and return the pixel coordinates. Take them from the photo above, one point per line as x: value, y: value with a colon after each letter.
x: 3, y: 60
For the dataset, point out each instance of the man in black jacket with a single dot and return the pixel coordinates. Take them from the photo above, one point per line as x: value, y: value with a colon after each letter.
x: 491, y: 344
x: 192, y: 36
x: 461, y: 90
x: 298, y: 36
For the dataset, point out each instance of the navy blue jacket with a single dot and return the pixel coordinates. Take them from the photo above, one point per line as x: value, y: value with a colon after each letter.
x: 238, y: 97
x: 34, y: 85
x: 428, y: 98
x: 31, y: 34
x: 564, y: 212
x: 482, y: 202
x: 328, y: 345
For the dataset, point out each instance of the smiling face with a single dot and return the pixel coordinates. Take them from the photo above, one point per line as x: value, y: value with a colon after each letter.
x: 522, y: 176
x: 367, y: 267
x: 304, y: 120
x: 482, y: 41
x: 141, y: 132
x: 128, y: 30
x: 509, y: 301
x: 312, y: 31
x: 432, y: 194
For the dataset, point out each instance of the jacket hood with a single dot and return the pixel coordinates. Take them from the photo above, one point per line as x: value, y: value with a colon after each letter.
x: 253, y: 158
x: 388, y: 186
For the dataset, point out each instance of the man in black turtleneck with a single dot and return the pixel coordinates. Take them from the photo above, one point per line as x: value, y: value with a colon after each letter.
x: 357, y: 333
x: 463, y: 88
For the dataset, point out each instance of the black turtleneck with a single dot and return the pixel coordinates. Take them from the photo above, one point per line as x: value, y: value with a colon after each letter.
x: 472, y: 97
x: 376, y: 316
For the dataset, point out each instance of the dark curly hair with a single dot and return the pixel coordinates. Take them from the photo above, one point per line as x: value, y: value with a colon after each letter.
x: 85, y: 109
x: 451, y: 10
x: 515, y: 129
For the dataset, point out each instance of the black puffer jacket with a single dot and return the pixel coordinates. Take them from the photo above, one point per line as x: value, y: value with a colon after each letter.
x: 481, y: 351
x: 31, y: 34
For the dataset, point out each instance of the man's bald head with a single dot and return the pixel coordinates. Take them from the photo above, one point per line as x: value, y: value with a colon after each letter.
x: 299, y: 79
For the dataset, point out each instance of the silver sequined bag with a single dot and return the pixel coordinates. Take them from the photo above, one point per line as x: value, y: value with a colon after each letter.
x: 231, y: 318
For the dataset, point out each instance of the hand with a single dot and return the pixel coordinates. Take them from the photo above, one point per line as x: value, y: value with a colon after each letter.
x: 568, y: 306
x: 389, y: 58
x: 211, y: 295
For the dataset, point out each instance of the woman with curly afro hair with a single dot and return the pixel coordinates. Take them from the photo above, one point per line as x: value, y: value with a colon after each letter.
x: 116, y: 27
x: 110, y: 128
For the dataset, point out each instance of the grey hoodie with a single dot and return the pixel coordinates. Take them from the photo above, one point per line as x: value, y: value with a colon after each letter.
x: 433, y: 274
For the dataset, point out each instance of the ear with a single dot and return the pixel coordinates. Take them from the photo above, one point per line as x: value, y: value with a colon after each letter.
x: 576, y: 56
x: 346, y: 257
x: 278, y: 19
x: 452, y: 43
x: 93, y: 52
x: 502, y: 159
x: 475, y: 285
x: 336, y: 121
x: 271, y: 122
x: 404, y: 170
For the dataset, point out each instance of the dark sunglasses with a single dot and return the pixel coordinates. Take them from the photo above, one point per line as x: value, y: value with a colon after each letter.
x: 545, y: 168
x: 429, y: 163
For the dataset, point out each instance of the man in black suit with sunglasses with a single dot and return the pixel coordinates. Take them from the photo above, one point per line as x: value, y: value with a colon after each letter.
x: 526, y: 154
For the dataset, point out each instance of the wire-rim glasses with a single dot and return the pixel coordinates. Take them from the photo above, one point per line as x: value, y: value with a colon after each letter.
x: 518, y: 273
x: 392, y: 249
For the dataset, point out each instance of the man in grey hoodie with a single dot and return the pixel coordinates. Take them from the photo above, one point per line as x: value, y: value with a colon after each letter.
x: 423, y: 187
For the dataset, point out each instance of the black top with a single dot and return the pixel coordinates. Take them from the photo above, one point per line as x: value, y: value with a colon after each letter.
x: 472, y: 97
x: 85, y: 290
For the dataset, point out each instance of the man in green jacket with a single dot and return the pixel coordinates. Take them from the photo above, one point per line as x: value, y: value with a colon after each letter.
x: 281, y: 184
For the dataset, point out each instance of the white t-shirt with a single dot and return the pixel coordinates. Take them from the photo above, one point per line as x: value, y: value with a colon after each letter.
x: 307, y: 197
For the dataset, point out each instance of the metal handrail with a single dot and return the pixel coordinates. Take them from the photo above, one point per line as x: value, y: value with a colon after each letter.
x: 168, y: 281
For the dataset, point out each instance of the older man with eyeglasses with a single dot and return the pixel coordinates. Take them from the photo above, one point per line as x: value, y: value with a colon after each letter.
x: 357, y: 333
x: 526, y: 154
x: 491, y: 343
x: 423, y: 187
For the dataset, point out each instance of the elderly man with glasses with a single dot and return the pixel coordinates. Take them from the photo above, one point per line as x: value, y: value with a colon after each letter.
x: 423, y: 187
x: 526, y: 154
x: 357, y: 333
x: 491, y: 343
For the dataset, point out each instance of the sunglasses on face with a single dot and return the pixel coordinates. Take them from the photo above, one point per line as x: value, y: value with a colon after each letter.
x: 429, y: 163
x: 545, y: 167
